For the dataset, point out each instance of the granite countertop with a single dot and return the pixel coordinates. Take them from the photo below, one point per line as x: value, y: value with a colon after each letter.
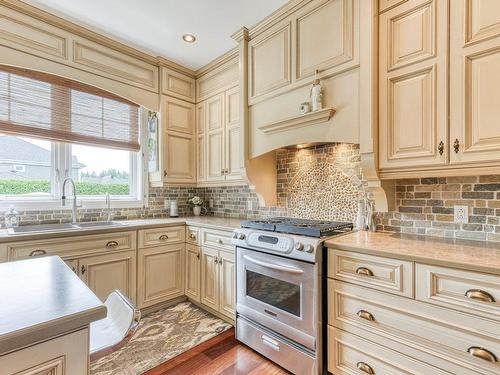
x: 42, y: 298
x: 204, y: 221
x: 465, y: 254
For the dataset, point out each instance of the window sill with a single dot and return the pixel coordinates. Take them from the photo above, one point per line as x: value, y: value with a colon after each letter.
x: 55, y: 204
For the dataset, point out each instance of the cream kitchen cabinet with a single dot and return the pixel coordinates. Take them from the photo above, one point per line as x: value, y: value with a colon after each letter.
x: 222, y: 137
x: 419, y: 105
x: 193, y: 272
x: 107, y: 272
x: 201, y: 161
x: 160, y: 275
x: 218, y: 280
x: 177, y: 144
x: 475, y: 82
x: 413, y: 85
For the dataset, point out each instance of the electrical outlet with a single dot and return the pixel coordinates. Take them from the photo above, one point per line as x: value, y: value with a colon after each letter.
x: 249, y: 205
x: 461, y: 214
x: 211, y: 203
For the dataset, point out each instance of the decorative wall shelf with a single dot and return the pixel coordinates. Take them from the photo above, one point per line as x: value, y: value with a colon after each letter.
x: 317, y: 117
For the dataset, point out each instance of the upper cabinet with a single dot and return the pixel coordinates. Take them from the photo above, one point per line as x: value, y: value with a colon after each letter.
x: 416, y: 56
x: 413, y: 84
x: 177, y: 85
x: 475, y: 82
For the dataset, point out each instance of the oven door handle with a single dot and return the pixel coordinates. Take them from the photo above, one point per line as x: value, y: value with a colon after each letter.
x: 294, y: 270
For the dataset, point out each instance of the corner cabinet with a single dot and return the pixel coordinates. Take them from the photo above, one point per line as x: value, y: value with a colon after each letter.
x: 220, y: 138
x: 417, y: 54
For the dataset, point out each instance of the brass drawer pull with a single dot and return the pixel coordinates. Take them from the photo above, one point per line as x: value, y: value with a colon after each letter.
x: 198, y: 255
x: 219, y: 241
x: 163, y: 237
x: 456, y: 146
x: 479, y: 295
x: 83, y: 270
x: 441, y: 148
x: 363, y: 314
x: 216, y: 260
x: 36, y: 253
x: 365, y: 368
x: 363, y: 271
x: 481, y: 353
x: 192, y: 236
x: 112, y: 244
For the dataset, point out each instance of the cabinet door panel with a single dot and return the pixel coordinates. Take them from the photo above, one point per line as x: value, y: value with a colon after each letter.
x: 105, y: 273
x: 475, y: 81
x: 179, y: 155
x: 413, y: 85
x: 179, y: 116
x: 209, y: 278
x: 160, y: 274
x: 334, y: 18
x: 227, y: 284
x: 270, y: 61
x: 215, y: 138
x: 193, y: 272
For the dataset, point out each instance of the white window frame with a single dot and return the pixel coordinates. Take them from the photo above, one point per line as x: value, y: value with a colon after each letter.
x: 61, y: 160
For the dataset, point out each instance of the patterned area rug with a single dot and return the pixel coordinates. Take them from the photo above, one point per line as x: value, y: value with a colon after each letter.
x: 161, y: 336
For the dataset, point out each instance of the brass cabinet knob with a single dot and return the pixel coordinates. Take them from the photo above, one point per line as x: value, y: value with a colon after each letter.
x: 198, y: 255
x: 481, y: 353
x: 36, y: 253
x: 112, y: 244
x: 363, y: 314
x: 479, y: 295
x: 441, y: 148
x: 365, y: 368
x: 192, y: 236
x: 219, y: 241
x: 216, y: 260
x: 163, y: 237
x: 363, y: 271
x: 83, y: 269
x: 456, y: 146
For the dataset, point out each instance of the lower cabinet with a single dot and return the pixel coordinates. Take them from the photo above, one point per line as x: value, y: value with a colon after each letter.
x: 64, y: 355
x: 107, y: 272
x: 160, y: 274
x: 218, y: 280
x: 193, y: 271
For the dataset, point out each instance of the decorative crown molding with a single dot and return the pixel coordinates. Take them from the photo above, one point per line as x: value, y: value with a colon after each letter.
x: 310, y: 118
x: 219, y: 61
x: 241, y: 34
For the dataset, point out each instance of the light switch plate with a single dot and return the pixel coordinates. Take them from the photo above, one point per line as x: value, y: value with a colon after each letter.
x: 461, y: 214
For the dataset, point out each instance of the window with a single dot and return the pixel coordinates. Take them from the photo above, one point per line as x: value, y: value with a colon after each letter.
x: 32, y: 171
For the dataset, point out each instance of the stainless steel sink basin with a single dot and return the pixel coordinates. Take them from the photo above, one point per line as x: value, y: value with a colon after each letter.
x: 44, y: 228
x: 50, y: 228
x: 97, y: 224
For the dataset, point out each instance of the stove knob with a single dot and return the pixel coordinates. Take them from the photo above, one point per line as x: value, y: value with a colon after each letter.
x: 299, y: 246
x: 235, y: 235
x: 241, y: 236
x: 309, y: 248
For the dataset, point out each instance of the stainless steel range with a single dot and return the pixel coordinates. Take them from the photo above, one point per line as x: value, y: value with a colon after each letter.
x: 279, y: 264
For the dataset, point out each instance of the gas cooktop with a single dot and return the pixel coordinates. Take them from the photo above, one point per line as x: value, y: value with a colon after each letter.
x: 304, y: 227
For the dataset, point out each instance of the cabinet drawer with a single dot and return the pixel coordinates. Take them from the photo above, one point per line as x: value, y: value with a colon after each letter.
x: 216, y: 238
x: 470, y: 292
x: 438, y: 333
x: 350, y: 354
x: 161, y: 236
x: 193, y: 235
x: 385, y: 274
x: 68, y: 247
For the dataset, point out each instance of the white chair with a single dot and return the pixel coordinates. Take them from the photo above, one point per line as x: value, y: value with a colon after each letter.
x: 111, y: 333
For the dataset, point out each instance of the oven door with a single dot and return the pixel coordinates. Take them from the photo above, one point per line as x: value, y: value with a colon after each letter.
x: 278, y: 293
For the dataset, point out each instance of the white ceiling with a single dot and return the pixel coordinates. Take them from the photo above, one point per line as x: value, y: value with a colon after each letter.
x: 156, y: 26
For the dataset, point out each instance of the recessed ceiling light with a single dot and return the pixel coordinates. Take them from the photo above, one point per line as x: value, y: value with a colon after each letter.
x: 189, y: 38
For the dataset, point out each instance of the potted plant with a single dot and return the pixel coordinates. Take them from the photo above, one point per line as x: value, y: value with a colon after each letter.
x: 197, y: 202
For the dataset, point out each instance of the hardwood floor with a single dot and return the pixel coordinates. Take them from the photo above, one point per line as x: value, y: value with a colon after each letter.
x: 220, y: 355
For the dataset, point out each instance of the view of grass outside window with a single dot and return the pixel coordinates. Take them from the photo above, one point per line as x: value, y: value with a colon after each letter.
x: 26, y: 168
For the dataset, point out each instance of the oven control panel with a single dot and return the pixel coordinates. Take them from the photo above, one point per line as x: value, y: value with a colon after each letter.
x: 279, y: 244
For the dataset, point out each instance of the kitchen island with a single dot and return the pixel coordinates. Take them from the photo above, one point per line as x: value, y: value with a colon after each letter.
x: 46, y: 311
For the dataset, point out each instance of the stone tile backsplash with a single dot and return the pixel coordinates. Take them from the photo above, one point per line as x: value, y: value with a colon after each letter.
x: 425, y: 206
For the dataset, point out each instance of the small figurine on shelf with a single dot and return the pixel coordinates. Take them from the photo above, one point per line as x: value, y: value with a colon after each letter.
x: 316, y: 94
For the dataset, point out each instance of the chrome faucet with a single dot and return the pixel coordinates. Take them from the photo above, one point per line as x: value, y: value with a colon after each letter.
x: 108, y: 206
x: 63, y: 198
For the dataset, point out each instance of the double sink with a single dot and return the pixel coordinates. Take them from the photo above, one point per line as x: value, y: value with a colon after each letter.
x: 48, y: 228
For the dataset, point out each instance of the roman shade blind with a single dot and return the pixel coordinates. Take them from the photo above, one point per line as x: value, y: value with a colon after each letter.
x: 50, y: 107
